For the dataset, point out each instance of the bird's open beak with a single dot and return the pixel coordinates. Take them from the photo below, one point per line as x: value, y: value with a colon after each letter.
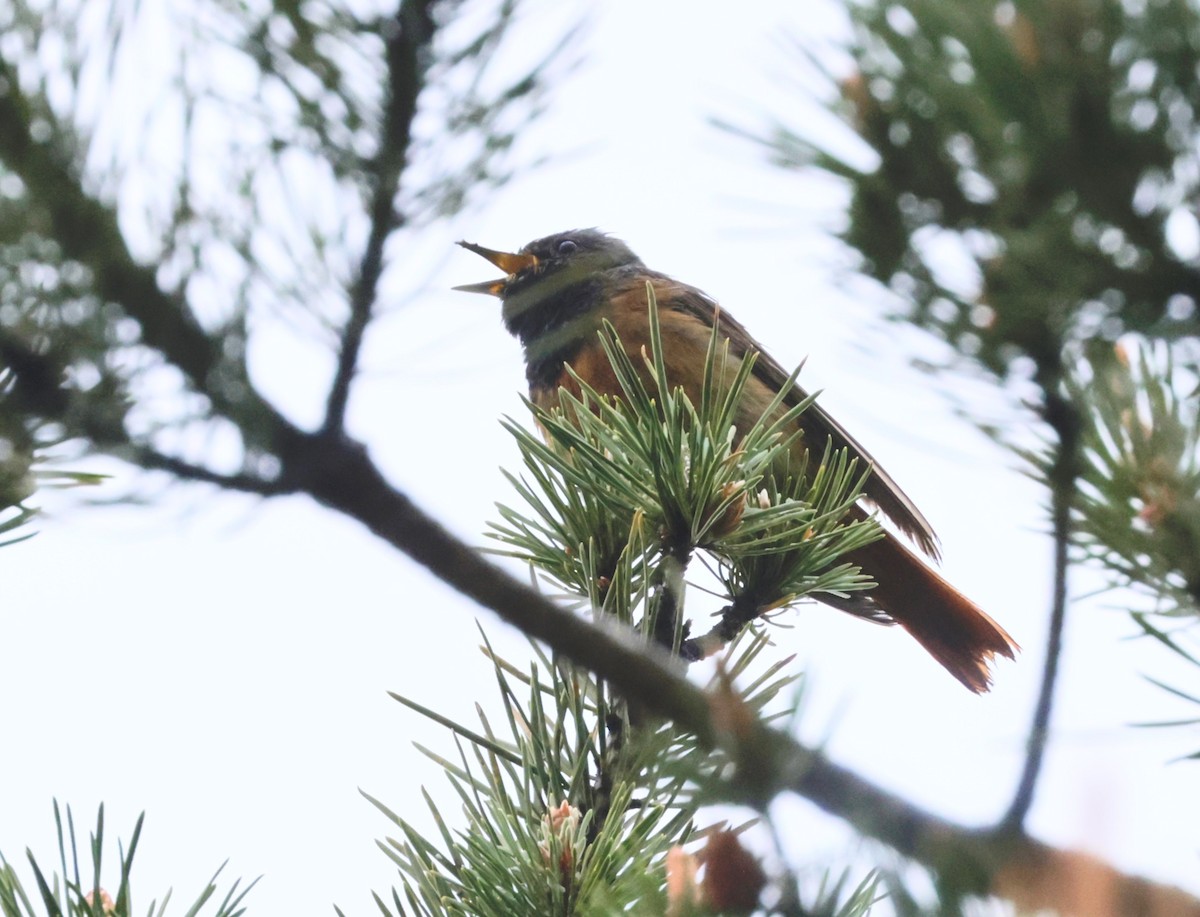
x: 508, y: 262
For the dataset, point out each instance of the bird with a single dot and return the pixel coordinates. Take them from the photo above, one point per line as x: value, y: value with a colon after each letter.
x: 556, y: 295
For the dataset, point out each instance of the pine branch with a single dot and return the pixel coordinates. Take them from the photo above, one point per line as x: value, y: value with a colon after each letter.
x: 87, y: 231
x: 339, y: 474
x: 39, y: 388
x: 1138, y: 513
x: 765, y: 762
x: 408, y: 39
x: 985, y: 120
x: 79, y: 893
x: 1019, y: 867
x: 152, y: 459
x: 1063, y: 479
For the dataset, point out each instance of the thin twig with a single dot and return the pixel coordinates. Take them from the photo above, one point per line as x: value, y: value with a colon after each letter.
x: 1064, y: 472
x: 38, y: 388
x: 338, y: 473
x: 1000, y: 861
x: 408, y: 45
x: 145, y: 457
x: 667, y: 626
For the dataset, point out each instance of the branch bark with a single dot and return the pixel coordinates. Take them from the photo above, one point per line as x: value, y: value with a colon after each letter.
x: 408, y: 54
x: 337, y: 472
x: 1061, y: 415
x: 999, y: 861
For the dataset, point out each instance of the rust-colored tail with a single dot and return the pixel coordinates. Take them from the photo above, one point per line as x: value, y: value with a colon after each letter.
x: 952, y: 628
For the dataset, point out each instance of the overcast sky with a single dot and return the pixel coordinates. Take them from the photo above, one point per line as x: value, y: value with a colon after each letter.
x: 222, y: 662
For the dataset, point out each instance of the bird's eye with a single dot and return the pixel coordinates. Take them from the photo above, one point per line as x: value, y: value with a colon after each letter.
x: 566, y: 246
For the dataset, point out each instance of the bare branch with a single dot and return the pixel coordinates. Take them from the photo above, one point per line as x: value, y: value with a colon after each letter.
x: 145, y: 457
x: 338, y: 473
x: 1063, y: 479
x: 408, y: 55
x: 986, y: 861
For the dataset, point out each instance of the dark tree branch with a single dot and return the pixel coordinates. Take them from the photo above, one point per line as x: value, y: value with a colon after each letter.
x: 338, y: 473
x: 87, y: 231
x: 144, y: 457
x: 38, y: 389
x: 1063, y: 476
x: 408, y: 55
x: 998, y: 861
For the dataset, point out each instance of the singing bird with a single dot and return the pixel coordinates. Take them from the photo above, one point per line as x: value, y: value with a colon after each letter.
x: 555, y: 296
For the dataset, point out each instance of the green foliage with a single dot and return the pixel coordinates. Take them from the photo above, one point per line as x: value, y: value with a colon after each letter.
x: 25, y: 466
x: 1048, y: 146
x: 1022, y: 176
x: 1136, y: 513
x: 552, y: 826
x: 1138, y: 509
x: 204, y: 239
x: 1025, y: 183
x: 566, y: 812
x: 621, y: 483
x: 79, y: 891
x: 575, y: 802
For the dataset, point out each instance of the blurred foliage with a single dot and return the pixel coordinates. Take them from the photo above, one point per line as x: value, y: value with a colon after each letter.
x: 1137, y: 513
x: 260, y: 158
x: 1024, y: 176
x: 26, y: 452
x: 1034, y: 170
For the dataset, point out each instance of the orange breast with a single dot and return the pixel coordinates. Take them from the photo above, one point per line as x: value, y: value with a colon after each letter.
x: 685, y: 340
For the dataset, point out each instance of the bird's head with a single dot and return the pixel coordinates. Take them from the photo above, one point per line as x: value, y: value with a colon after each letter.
x: 542, y: 270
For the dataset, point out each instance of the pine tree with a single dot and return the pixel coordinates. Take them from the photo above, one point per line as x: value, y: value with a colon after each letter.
x: 986, y: 120
x: 1052, y: 147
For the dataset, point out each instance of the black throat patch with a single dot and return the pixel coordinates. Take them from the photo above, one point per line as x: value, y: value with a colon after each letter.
x: 553, y: 324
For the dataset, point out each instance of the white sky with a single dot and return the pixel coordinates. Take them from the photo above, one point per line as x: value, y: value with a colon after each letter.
x: 223, y: 663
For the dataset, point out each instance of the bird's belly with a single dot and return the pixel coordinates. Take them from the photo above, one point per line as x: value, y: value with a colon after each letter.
x: 592, y: 365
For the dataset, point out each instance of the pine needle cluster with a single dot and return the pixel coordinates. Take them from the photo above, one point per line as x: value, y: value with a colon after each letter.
x: 576, y: 802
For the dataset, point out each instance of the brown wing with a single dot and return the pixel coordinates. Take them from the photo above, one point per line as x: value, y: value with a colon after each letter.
x: 817, y: 425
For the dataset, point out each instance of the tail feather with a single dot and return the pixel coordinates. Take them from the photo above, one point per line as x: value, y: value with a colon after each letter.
x: 952, y: 628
